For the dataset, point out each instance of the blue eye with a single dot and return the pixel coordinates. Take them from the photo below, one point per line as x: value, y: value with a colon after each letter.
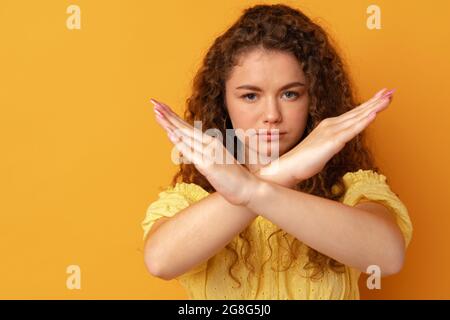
x: 248, y: 95
x: 295, y: 93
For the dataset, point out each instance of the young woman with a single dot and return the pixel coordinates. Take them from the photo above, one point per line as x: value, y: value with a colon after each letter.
x: 230, y: 230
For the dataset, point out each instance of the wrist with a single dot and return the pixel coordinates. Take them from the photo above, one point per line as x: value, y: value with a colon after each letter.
x: 272, y: 173
x: 258, y: 191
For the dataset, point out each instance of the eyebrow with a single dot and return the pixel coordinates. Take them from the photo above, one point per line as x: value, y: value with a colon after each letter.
x: 289, y: 85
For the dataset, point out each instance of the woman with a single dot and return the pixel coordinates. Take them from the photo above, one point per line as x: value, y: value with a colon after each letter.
x: 303, y: 226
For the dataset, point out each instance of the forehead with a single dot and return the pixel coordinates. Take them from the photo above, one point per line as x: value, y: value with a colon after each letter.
x: 260, y: 65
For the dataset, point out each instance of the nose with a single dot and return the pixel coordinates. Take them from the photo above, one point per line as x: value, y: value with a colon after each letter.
x: 272, y: 113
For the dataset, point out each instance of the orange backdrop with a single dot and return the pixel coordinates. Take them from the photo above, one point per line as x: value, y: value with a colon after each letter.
x: 83, y: 157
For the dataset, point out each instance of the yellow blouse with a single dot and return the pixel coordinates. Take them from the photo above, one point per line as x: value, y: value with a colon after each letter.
x: 210, y: 279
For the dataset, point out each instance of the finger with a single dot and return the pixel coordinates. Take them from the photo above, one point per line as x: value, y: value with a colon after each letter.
x: 213, y: 151
x: 185, y: 127
x: 191, y: 154
x: 383, y: 93
x: 373, y: 102
x: 164, y: 123
x: 170, y: 115
x: 380, y: 93
x: 360, y: 116
x: 192, y: 133
x: 182, y: 134
x: 186, y: 131
x: 351, y: 131
x: 352, y: 126
x: 381, y: 96
x: 373, y: 105
x: 375, y: 99
x: 180, y: 145
x: 195, y: 134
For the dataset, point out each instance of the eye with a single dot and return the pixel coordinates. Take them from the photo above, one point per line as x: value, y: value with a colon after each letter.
x: 249, y: 96
x: 246, y: 95
x: 295, y: 93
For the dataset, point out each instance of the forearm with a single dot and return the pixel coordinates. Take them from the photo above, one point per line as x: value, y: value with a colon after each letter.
x: 349, y: 235
x: 194, y: 235
x: 213, y: 222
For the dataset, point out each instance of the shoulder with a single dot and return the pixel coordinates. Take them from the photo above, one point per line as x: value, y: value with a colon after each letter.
x: 360, y: 178
x: 368, y: 176
x: 181, y: 194
x: 190, y: 191
x: 371, y: 186
x: 171, y: 201
x: 360, y: 182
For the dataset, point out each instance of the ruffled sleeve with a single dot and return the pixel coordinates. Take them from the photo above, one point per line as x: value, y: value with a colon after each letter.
x: 171, y: 201
x: 368, y: 185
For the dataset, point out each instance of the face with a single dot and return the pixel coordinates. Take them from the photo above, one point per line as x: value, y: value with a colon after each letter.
x: 268, y: 90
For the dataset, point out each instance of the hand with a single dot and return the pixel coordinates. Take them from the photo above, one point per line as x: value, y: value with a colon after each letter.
x: 210, y: 157
x: 311, y: 155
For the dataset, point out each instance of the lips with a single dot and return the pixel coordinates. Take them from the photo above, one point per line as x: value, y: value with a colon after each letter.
x: 267, y: 131
x: 269, y: 136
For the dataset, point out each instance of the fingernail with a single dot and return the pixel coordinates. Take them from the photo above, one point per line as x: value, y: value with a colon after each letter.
x: 160, y: 105
x: 158, y: 112
x: 157, y: 104
x: 378, y: 94
x: 389, y: 93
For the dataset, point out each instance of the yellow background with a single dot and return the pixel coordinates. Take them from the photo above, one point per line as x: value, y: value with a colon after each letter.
x: 82, y: 156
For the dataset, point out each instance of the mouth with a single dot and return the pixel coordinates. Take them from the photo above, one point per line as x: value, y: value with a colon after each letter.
x: 269, y: 136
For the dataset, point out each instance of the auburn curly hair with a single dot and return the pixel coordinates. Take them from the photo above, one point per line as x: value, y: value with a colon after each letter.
x: 280, y: 27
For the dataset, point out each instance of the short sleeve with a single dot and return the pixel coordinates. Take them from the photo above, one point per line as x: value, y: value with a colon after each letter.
x: 171, y: 201
x: 368, y: 185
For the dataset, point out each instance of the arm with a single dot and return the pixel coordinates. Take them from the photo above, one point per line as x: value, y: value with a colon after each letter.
x: 355, y: 237
x: 178, y: 244
x: 194, y: 235
x: 172, y: 248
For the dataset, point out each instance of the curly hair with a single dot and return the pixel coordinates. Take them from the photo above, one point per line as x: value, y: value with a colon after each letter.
x: 280, y: 27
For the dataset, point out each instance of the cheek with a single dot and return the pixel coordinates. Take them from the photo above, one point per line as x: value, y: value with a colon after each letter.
x: 242, y: 119
x: 296, y: 120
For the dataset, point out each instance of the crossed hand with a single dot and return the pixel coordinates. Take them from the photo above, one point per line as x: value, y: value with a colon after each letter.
x: 234, y: 182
